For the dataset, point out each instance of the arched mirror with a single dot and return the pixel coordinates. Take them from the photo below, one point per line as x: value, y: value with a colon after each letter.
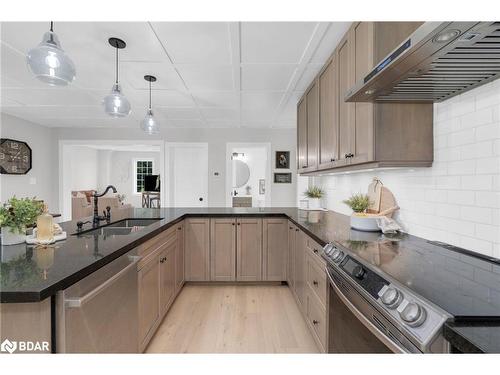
x: 241, y: 173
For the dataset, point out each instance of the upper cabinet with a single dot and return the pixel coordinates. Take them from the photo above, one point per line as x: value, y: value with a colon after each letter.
x: 337, y: 135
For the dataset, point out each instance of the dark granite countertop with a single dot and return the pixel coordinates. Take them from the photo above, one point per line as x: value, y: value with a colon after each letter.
x: 474, y: 336
x: 463, y: 283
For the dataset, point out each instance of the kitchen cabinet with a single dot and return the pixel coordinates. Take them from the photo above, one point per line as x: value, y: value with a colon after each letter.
x: 363, y: 135
x: 292, y: 244
x: 149, y: 303
x: 328, y: 115
x: 299, y: 268
x: 223, y: 249
x: 302, y: 134
x: 179, y: 258
x: 167, y: 276
x: 249, y: 249
x: 312, y: 105
x: 197, y: 249
x: 275, y: 252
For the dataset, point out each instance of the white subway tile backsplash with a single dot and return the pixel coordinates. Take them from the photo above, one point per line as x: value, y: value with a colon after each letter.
x: 457, y: 200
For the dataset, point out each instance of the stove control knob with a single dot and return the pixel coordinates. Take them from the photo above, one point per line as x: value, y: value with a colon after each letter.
x: 337, y: 255
x: 391, y: 297
x: 412, y: 313
x: 358, y: 272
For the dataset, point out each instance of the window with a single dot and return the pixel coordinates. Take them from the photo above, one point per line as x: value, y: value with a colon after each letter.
x: 142, y: 168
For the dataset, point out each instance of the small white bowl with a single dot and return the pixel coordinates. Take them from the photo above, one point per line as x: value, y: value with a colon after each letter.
x: 364, y: 223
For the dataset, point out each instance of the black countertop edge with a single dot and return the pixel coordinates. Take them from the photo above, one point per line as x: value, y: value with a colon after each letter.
x: 459, y: 342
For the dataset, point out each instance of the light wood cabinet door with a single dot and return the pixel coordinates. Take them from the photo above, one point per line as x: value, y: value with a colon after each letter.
x: 300, y: 268
x: 345, y: 80
x: 223, y: 249
x: 328, y: 116
x: 312, y: 103
x: 249, y: 249
x: 149, y: 292
x: 179, y: 258
x: 363, y: 45
x: 290, y: 275
x: 197, y: 249
x: 302, y: 134
x: 167, y: 276
x: 275, y: 231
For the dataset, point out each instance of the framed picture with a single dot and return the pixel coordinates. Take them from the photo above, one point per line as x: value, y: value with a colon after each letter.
x: 282, y: 178
x: 282, y: 159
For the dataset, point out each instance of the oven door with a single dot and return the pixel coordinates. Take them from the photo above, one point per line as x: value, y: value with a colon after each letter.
x: 350, y: 331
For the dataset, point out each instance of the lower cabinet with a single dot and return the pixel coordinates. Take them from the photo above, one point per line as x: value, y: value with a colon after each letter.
x: 275, y: 249
x: 292, y: 240
x: 299, y: 268
x: 197, y: 249
x: 223, y: 249
x: 249, y: 249
x: 149, y: 302
x: 179, y: 258
x: 167, y: 276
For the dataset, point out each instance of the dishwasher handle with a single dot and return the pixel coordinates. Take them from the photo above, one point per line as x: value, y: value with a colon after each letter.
x: 79, y: 302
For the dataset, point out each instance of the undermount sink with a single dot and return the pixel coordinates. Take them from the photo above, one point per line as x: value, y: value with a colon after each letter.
x: 120, y: 228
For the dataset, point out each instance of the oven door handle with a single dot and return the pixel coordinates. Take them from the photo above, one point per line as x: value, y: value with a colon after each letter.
x: 394, y: 347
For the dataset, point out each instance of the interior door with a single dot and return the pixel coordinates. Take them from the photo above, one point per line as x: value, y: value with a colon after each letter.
x: 188, y: 174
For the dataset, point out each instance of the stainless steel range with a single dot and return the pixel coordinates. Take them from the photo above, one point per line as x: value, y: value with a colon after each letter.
x: 370, y: 312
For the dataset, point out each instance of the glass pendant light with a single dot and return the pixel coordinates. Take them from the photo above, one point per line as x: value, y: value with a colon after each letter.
x: 49, y: 63
x: 149, y: 124
x: 116, y: 104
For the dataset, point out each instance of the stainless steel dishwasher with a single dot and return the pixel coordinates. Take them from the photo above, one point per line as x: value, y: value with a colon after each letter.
x: 99, y: 314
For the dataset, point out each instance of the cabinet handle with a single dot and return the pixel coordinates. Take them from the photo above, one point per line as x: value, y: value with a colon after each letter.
x: 315, y: 282
x: 238, y: 223
x: 304, y: 166
x: 232, y: 223
x: 315, y: 322
x: 179, y: 228
x: 296, y: 230
x: 315, y: 251
x: 291, y: 228
x: 332, y: 159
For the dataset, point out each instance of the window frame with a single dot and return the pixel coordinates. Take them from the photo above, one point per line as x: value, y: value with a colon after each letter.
x: 134, y: 170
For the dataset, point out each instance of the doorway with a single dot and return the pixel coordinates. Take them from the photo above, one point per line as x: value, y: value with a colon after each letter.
x: 187, y: 174
x: 256, y: 159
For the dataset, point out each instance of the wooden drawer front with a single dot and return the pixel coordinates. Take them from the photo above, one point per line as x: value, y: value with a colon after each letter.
x: 316, y: 316
x: 166, y: 236
x: 314, y: 248
x: 154, y: 251
x: 316, y: 278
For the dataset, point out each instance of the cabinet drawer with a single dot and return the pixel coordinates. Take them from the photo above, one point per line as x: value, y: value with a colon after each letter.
x: 316, y: 316
x: 314, y: 249
x: 316, y: 278
x: 156, y: 242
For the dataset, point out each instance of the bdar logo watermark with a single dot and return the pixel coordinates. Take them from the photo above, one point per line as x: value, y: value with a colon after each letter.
x: 23, y: 346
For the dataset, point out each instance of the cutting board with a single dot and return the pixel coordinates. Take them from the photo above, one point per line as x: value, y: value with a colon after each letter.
x: 381, y: 198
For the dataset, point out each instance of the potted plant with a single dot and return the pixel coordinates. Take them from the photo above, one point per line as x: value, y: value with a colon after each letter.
x: 314, y: 194
x: 360, y: 220
x: 15, y: 216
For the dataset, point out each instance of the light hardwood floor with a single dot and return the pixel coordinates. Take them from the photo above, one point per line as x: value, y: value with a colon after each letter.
x: 233, y: 319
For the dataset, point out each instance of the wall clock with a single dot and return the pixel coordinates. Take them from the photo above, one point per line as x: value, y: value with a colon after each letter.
x: 15, y: 157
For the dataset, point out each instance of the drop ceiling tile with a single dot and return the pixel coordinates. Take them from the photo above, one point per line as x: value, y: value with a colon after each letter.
x: 167, y: 77
x: 217, y: 98
x: 161, y: 98
x: 308, y: 76
x: 261, y: 100
x: 206, y: 77
x: 284, y: 125
x: 180, y: 113
x: 56, y: 111
x: 187, y: 124
x: 214, y: 113
x: 266, y: 76
x: 256, y: 124
x: 274, y: 42
x: 115, y: 123
x: 222, y: 124
x: 195, y: 42
x: 61, y: 96
x: 334, y: 33
x: 251, y: 115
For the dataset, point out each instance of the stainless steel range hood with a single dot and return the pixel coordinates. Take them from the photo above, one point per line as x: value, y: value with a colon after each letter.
x: 438, y: 61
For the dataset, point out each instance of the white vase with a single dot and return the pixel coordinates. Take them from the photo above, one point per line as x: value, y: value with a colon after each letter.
x: 12, y: 238
x: 314, y: 203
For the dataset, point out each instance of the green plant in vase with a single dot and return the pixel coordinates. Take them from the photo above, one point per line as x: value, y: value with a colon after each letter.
x: 16, y: 215
x: 314, y: 193
x: 359, y: 203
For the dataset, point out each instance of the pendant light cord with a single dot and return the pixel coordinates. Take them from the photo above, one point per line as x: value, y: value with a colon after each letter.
x: 52, y: 26
x: 116, y: 65
x: 149, y: 94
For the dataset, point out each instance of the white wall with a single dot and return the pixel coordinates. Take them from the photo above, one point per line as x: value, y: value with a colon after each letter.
x: 457, y: 200
x: 122, y: 173
x: 41, y: 180
x: 84, y: 167
x: 280, y: 139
